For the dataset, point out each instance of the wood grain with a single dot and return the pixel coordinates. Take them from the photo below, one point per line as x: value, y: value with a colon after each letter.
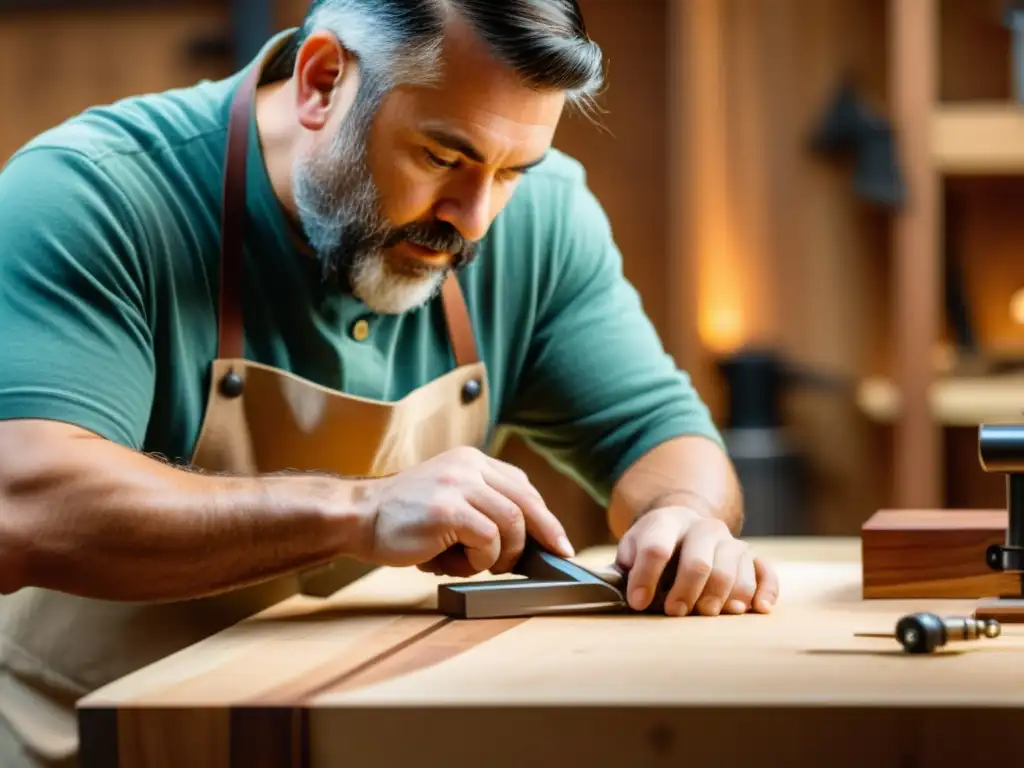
x: 445, y: 642
x: 932, y: 554
x: 607, y: 735
x: 617, y: 689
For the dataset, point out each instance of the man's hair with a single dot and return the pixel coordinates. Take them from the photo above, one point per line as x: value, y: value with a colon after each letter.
x: 398, y: 41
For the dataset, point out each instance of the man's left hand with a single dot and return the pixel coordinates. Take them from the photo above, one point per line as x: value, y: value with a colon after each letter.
x: 717, y: 572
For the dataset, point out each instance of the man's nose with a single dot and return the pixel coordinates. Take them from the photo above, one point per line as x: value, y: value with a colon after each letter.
x: 468, y: 209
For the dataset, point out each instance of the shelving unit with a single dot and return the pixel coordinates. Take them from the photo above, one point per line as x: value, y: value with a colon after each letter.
x: 968, y: 139
x: 952, y: 401
x: 937, y: 141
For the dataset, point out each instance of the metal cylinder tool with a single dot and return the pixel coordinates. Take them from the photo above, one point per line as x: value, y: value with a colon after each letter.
x: 926, y: 632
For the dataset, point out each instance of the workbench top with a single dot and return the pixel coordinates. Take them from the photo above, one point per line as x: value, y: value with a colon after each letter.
x: 374, y: 671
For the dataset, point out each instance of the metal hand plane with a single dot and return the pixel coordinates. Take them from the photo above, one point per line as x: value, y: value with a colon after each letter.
x: 552, y: 585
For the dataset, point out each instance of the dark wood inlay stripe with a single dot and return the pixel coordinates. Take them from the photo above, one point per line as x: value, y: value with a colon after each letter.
x: 268, y: 738
x: 447, y: 641
x: 97, y: 736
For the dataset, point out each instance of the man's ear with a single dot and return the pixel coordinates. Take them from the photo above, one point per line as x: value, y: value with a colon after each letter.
x: 321, y: 66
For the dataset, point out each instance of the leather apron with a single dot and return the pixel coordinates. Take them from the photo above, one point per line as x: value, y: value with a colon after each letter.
x: 55, y: 648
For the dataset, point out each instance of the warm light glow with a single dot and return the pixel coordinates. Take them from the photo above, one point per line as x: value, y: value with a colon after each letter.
x: 721, y: 328
x: 1017, y: 306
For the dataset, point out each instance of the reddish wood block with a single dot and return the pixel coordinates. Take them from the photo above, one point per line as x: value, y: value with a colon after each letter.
x: 916, y: 553
x: 1003, y: 610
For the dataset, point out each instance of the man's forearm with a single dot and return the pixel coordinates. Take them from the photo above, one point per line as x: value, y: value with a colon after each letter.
x: 88, y: 517
x: 687, y: 471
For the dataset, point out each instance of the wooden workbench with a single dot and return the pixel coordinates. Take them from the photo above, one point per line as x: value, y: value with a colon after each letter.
x: 372, y: 677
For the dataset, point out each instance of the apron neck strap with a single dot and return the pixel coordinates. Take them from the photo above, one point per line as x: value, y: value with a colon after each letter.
x: 233, y: 214
x: 232, y: 257
x: 460, y: 327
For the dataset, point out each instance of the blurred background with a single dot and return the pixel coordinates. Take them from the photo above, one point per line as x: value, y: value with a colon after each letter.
x: 818, y: 200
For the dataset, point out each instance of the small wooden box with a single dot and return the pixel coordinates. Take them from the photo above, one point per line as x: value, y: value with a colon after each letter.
x: 916, y: 553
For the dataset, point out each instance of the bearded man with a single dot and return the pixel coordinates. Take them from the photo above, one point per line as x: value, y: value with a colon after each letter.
x: 259, y: 335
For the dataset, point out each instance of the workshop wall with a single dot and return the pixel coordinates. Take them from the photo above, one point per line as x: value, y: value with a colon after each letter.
x: 732, y: 230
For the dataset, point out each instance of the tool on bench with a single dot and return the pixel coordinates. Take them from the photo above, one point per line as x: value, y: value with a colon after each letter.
x: 1001, y: 449
x: 926, y: 632
x: 552, y: 585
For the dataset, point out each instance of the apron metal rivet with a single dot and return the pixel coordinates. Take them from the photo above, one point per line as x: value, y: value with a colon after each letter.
x: 471, y: 390
x: 231, y: 385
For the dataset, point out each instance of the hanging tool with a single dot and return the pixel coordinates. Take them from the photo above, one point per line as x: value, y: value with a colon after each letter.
x: 927, y: 632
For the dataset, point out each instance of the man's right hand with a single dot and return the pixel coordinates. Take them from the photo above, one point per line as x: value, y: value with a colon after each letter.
x: 459, y: 513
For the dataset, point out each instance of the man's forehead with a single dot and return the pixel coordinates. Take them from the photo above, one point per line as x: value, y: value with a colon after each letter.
x: 475, y: 86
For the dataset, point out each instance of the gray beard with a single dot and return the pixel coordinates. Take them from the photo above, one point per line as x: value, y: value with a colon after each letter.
x: 339, y: 209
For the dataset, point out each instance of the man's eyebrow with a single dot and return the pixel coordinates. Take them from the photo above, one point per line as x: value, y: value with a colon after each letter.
x: 458, y: 144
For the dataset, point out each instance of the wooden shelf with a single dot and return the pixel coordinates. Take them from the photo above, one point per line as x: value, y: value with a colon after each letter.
x: 978, y: 138
x: 960, y: 402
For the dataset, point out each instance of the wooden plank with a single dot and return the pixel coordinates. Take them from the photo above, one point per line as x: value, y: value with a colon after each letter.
x: 916, y: 243
x: 933, y: 554
x: 978, y: 139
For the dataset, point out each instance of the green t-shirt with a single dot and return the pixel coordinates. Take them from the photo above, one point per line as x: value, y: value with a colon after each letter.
x: 109, y: 254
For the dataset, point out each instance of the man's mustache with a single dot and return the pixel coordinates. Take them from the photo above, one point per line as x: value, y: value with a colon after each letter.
x: 436, y: 236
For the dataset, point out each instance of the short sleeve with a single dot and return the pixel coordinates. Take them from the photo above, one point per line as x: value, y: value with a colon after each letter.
x: 598, y: 389
x: 77, y: 346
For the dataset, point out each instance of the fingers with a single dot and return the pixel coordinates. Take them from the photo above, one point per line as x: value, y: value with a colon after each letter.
x: 654, y: 544
x: 767, y: 593
x: 540, y: 522
x: 510, y: 522
x: 697, y: 559
x: 479, y: 536
x: 743, y: 590
x: 452, y: 562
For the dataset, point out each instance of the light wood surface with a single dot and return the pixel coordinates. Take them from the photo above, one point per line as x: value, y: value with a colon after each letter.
x: 374, y: 673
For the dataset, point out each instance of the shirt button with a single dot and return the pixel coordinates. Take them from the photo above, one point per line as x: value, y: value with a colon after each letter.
x: 360, y: 330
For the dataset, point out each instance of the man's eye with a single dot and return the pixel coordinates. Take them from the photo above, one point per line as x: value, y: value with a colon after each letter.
x: 509, y: 176
x: 434, y: 159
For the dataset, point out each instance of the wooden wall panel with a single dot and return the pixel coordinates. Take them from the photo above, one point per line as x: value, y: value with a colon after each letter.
x: 829, y: 249
x: 694, y: 173
x: 805, y: 263
x: 625, y: 160
x: 974, y: 61
x: 55, y: 64
x: 291, y: 12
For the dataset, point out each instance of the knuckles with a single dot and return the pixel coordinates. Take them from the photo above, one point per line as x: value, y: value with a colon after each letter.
x: 718, y: 579
x: 655, y: 550
x: 443, y: 509
x: 713, y: 526
x: 697, y: 568
x: 453, y: 476
x: 466, y: 454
